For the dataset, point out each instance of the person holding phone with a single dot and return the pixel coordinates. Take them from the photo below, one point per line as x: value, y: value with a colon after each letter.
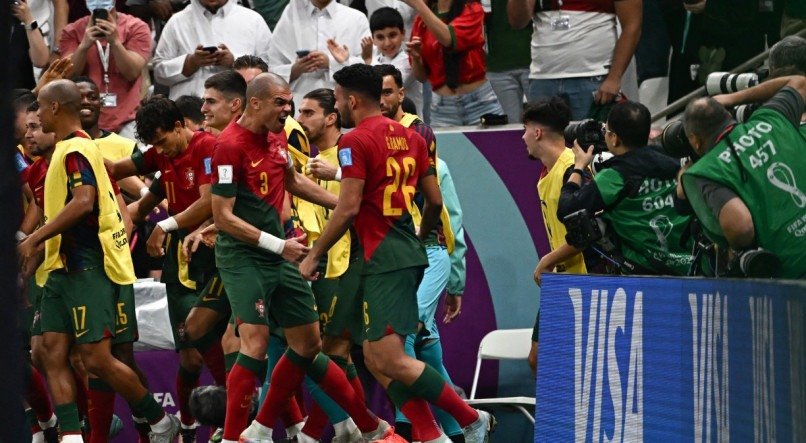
x: 204, y: 39
x: 28, y: 46
x: 112, y: 49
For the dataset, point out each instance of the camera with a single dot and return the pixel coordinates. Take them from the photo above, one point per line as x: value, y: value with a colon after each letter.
x: 743, y: 112
x: 726, y: 83
x: 586, y: 132
x: 582, y: 229
x: 674, y: 141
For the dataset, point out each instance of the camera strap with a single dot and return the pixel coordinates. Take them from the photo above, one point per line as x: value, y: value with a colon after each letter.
x: 103, y: 54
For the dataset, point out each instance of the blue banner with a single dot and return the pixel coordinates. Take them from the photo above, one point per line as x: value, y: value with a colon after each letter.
x: 661, y: 359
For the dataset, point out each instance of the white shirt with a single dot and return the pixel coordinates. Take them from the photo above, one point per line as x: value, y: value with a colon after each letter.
x: 413, y: 88
x: 305, y: 27
x: 242, y: 30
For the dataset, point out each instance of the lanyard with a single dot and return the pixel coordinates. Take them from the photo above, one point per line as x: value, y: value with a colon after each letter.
x: 103, y: 53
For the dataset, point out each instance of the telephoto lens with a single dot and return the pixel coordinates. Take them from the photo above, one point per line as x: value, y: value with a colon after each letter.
x: 674, y: 141
x: 726, y: 83
x: 586, y: 132
x: 743, y: 112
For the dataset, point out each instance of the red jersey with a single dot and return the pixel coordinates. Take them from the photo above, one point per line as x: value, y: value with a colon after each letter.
x: 35, y: 177
x: 251, y: 168
x: 391, y: 160
x: 182, y: 175
x: 467, y: 36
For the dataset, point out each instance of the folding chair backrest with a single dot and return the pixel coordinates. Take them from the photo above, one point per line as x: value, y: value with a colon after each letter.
x: 502, y: 344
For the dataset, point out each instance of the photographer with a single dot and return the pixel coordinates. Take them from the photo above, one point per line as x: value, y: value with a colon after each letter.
x: 635, y: 192
x: 746, y: 188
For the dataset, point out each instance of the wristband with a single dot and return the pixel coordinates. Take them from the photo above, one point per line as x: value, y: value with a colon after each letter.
x: 338, y: 175
x: 578, y: 171
x: 270, y: 243
x: 20, y: 236
x: 168, y: 225
x: 143, y: 191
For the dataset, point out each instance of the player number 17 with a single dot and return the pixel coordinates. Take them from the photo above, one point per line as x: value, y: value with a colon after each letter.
x: 400, y: 175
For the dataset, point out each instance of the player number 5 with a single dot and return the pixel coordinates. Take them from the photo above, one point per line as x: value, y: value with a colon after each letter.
x: 400, y: 176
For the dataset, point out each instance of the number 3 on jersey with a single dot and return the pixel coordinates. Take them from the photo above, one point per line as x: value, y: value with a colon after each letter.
x: 400, y: 175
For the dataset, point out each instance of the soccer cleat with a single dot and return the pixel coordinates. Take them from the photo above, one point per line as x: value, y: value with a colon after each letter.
x: 115, y: 426
x: 217, y: 435
x: 254, y: 434
x: 354, y: 436
x: 390, y: 437
x: 188, y: 435
x: 167, y: 436
x: 51, y: 434
x: 479, y: 430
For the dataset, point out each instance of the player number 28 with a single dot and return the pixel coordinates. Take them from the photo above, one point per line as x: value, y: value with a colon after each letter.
x: 400, y: 176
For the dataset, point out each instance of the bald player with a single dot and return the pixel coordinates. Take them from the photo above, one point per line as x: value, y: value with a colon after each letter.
x: 87, y: 255
x: 251, y: 172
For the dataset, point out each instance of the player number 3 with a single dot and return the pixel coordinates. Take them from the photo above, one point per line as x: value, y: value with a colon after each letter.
x: 400, y: 177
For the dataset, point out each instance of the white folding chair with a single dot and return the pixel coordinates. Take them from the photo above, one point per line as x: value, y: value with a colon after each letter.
x: 504, y: 344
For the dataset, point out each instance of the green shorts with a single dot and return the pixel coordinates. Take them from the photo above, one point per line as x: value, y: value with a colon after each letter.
x: 344, y: 316
x: 126, y: 325
x: 31, y: 322
x: 80, y: 303
x: 181, y: 300
x: 390, y: 302
x: 214, y: 297
x: 269, y: 295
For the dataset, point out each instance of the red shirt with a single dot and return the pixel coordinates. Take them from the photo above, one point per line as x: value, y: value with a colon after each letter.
x: 467, y: 34
x: 35, y: 177
x: 391, y: 160
x: 182, y: 175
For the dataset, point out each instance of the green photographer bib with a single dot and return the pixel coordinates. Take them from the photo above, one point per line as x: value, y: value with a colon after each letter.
x: 648, y: 227
x: 767, y: 170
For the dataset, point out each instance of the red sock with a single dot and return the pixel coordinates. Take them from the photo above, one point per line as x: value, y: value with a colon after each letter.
x: 423, y: 425
x: 334, y: 383
x: 214, y: 359
x: 300, y: 399
x: 240, y: 389
x: 101, y: 402
x: 358, y: 387
x: 37, y: 396
x: 185, y: 382
x: 81, y: 394
x: 285, y: 379
x: 450, y: 402
x: 316, y: 422
x: 291, y: 415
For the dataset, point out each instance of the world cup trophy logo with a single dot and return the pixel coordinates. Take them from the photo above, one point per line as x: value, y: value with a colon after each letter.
x: 781, y: 176
x: 662, y: 227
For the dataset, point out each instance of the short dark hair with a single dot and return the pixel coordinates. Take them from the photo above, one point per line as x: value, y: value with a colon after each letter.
x: 157, y: 113
x: 327, y: 101
x: 190, y: 107
x: 361, y: 79
x: 33, y: 107
x: 229, y: 83
x: 705, y: 118
x: 84, y: 79
x: 552, y: 113
x: 21, y: 99
x: 384, y: 70
x: 250, y: 61
x: 788, y: 57
x: 631, y: 122
x: 386, y: 17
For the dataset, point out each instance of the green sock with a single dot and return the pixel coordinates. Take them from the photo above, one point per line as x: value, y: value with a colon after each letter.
x: 229, y: 360
x: 30, y: 415
x: 317, y: 368
x: 67, y: 414
x: 149, y: 408
x: 351, y: 371
x: 96, y: 384
x: 398, y: 393
x: 428, y: 385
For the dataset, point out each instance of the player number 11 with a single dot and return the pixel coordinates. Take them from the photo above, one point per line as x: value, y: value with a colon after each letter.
x: 400, y: 176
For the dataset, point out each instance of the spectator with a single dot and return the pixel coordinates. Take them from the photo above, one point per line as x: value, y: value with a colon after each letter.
x: 80, y: 8
x: 405, y: 11
x: 447, y: 49
x: 51, y: 16
x: 388, y: 32
x: 315, y: 26
x: 190, y: 107
x: 113, y: 54
x: 507, y: 60
x: 249, y: 66
x: 746, y: 188
x: 788, y: 57
x: 205, y: 38
x: 635, y: 190
x: 27, y: 44
x: 577, y: 52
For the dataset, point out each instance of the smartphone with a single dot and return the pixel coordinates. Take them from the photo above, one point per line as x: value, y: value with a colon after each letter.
x: 99, y: 13
x: 210, y: 49
x: 303, y: 52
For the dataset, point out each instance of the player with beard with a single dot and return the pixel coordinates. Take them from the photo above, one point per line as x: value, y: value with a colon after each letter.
x: 381, y: 205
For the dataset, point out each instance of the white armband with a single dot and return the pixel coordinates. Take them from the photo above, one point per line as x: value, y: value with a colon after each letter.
x: 143, y: 191
x: 168, y: 225
x: 338, y: 175
x: 20, y: 236
x: 270, y: 243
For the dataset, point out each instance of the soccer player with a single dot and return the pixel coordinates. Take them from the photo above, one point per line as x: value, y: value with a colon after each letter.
x: 383, y: 164
x: 252, y: 170
x: 87, y: 255
x: 183, y: 158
